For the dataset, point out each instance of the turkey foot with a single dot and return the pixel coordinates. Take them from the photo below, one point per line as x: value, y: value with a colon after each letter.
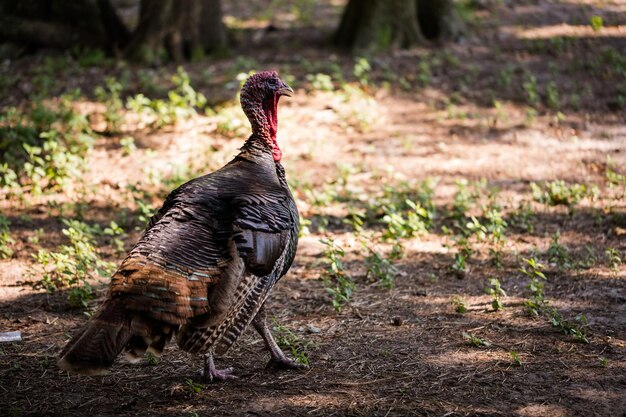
x: 279, y: 360
x: 211, y: 373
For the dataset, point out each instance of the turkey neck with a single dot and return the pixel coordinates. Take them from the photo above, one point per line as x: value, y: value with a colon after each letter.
x: 263, y: 118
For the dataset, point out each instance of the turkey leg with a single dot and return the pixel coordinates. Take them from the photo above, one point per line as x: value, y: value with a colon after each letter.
x: 279, y: 360
x: 212, y: 374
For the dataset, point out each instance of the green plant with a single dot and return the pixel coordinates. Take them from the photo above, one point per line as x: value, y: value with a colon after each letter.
x: 116, y: 233
x: 496, y: 291
x: 552, y: 95
x: 516, y: 358
x: 538, y: 305
x: 128, y: 145
x: 463, y: 198
x: 505, y: 76
x: 181, y: 102
x: 380, y: 267
x: 614, y: 178
x: 5, y: 238
x: 596, y: 23
x: 152, y: 359
x: 558, y: 253
x: 193, y: 387
x: 361, y: 70
x: 524, y: 217
x: 338, y: 282
x: 558, y: 192
x: 356, y: 219
x: 43, y: 146
x: 460, y: 306
x: 475, y: 341
x: 73, y: 265
x: 534, y: 271
x: 405, y: 224
x: 530, y: 88
x: 424, y: 74
x: 614, y: 258
x: 231, y: 121
x: 286, y: 339
x: 321, y: 82
x: 110, y: 96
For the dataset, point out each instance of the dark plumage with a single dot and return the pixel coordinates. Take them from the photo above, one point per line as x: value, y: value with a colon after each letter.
x: 208, y: 259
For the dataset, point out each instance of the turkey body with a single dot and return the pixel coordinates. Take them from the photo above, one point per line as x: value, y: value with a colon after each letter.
x: 202, y: 270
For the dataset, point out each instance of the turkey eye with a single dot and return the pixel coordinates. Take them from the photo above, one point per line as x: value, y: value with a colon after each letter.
x: 272, y: 82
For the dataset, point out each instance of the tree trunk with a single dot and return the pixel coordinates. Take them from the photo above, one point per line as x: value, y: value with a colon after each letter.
x: 381, y: 24
x: 378, y: 24
x: 180, y: 28
x: 62, y: 24
x: 167, y: 29
x: 439, y: 20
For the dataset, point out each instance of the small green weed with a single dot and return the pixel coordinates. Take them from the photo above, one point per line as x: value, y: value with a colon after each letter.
x: 286, y: 339
x: 338, y: 282
x: 558, y: 253
x: 460, y: 306
x: 128, y: 145
x: 193, y: 387
x: 614, y: 258
x: 597, y: 23
x: 362, y: 70
x: 516, y: 358
x: 524, y: 217
x: 496, y: 291
x: 321, y: 82
x: 475, y: 341
x: 558, y: 192
x: 530, y: 88
x: 73, y: 265
x: 6, y: 241
x: 380, y: 267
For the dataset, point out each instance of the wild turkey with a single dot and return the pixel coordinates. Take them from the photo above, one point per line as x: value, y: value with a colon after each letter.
x: 208, y: 259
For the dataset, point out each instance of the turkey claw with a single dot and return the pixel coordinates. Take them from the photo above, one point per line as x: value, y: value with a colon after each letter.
x: 285, y: 363
x: 214, y: 375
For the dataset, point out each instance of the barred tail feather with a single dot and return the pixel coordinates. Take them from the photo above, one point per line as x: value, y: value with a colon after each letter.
x: 112, y: 329
x: 96, y: 346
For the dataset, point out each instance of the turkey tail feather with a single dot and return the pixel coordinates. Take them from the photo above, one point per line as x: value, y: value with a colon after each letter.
x: 96, y: 346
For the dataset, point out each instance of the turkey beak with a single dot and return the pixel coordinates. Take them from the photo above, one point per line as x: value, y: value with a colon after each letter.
x: 285, y: 90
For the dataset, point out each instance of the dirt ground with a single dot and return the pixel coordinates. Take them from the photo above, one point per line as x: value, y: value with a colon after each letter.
x: 389, y: 352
